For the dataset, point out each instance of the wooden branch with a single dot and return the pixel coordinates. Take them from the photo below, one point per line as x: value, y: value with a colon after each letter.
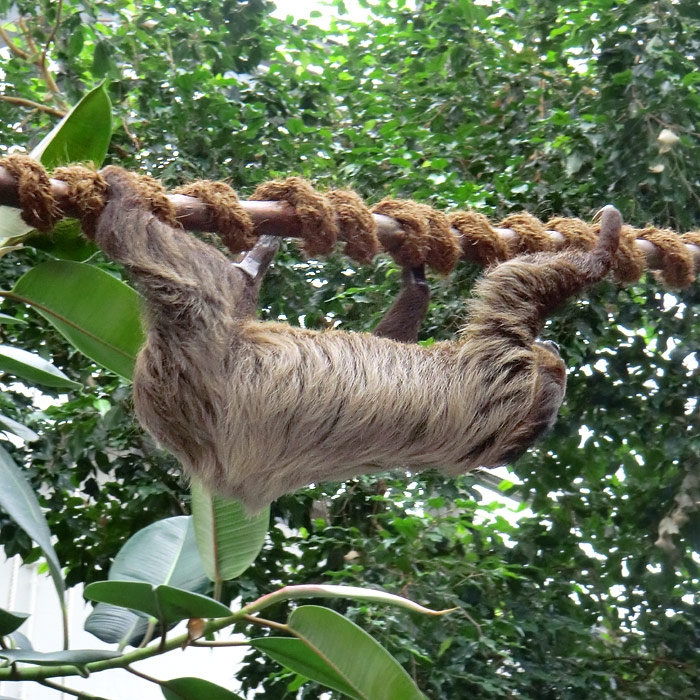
x: 34, y: 105
x: 279, y: 219
x: 43, y: 64
x: 14, y: 49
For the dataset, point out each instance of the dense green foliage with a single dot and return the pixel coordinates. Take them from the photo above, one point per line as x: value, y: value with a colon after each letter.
x: 552, y: 107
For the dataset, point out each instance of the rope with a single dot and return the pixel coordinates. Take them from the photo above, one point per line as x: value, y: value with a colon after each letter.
x: 226, y: 214
x: 426, y: 236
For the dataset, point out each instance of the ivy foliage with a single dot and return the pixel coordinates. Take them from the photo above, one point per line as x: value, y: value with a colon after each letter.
x: 552, y: 107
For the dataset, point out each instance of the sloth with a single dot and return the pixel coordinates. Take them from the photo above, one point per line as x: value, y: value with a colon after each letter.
x: 255, y: 410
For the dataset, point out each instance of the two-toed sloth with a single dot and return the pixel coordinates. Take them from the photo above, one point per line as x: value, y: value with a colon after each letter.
x: 256, y: 410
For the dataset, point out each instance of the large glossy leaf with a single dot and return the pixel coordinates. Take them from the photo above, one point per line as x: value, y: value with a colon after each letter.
x: 97, y: 313
x: 11, y: 320
x: 77, y: 657
x: 81, y: 136
x: 295, y: 655
x: 66, y: 241
x: 21, y: 431
x: 164, y: 603
x: 187, y: 688
x: 18, y: 500
x: 228, y: 540
x: 359, y: 660
x: 165, y: 552
x: 115, y: 625
x: 9, y: 621
x: 33, y: 368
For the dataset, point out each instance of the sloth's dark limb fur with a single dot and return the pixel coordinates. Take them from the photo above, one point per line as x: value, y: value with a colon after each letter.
x: 403, y: 320
x: 256, y: 410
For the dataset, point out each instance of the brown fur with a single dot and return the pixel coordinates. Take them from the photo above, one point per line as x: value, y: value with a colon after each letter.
x: 256, y: 410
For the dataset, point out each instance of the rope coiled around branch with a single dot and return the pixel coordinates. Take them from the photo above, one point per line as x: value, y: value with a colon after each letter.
x: 427, y: 236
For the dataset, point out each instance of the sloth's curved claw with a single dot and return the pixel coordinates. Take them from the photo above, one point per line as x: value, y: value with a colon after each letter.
x: 258, y: 259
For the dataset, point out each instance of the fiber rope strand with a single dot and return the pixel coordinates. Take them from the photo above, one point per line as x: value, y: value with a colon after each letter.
x: 412, y: 233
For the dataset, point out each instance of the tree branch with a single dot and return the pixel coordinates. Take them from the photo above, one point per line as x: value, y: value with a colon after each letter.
x: 34, y: 105
x: 14, y: 49
x: 42, y: 63
x: 280, y: 219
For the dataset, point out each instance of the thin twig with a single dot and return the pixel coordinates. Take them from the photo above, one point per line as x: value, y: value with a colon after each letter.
x: 34, y: 105
x: 69, y: 691
x: 140, y: 674
x: 43, y: 65
x: 244, y: 643
x: 52, y: 34
x: 132, y: 137
x: 27, y: 35
x: 266, y: 623
x: 658, y: 120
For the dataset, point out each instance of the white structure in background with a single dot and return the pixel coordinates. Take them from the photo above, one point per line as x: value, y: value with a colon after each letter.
x: 23, y: 589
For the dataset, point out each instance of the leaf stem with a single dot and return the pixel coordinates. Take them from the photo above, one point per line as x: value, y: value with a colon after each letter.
x: 69, y: 691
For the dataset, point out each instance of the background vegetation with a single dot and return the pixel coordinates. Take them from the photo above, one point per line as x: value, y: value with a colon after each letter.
x: 551, y: 107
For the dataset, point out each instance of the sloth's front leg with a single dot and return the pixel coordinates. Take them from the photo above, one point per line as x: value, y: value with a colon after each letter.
x: 254, y: 265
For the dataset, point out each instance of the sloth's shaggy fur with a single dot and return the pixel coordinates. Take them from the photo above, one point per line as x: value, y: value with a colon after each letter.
x: 256, y: 410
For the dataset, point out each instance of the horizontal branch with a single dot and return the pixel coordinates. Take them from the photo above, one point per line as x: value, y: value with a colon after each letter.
x: 279, y: 219
x: 34, y: 105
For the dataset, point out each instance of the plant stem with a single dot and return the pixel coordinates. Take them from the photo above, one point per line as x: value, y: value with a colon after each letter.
x: 70, y: 691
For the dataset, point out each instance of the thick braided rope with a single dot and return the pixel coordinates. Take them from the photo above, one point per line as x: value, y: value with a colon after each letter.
x: 479, y: 239
x: 578, y: 234
x: 87, y: 190
x: 356, y: 225
x: 413, y: 247
x: 677, y: 261
x: 35, y: 198
x: 225, y: 211
x: 428, y: 237
x: 319, y: 230
x: 532, y: 234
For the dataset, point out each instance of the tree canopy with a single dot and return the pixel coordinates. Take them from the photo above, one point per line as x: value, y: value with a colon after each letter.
x: 556, y: 108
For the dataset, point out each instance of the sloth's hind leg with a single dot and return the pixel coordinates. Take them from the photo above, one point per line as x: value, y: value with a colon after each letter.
x: 403, y: 320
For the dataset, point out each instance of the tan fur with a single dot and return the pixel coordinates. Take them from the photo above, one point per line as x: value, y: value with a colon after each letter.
x: 256, y: 410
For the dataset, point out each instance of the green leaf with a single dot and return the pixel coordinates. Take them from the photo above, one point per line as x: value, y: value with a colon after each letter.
x: 9, y: 622
x: 66, y: 241
x: 76, y: 657
x: 295, y: 126
x: 96, y: 312
x: 165, y: 552
x: 103, y: 62
x: 33, y: 368
x: 195, y: 689
x: 82, y: 136
x: 227, y: 538
x: 124, y: 594
x: 295, y: 655
x: 11, y: 320
x: 21, y: 431
x: 18, y: 500
x: 359, y: 660
x: 165, y: 603
x: 116, y: 625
